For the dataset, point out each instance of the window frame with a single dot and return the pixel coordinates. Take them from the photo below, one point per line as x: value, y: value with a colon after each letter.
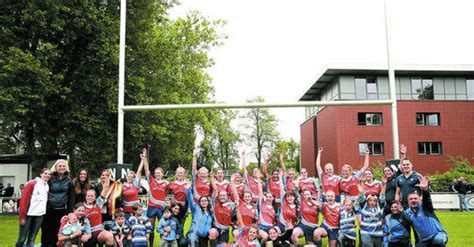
x: 365, y: 117
x: 428, y: 148
x: 422, y: 81
x: 373, y: 80
x: 469, y: 85
x: 371, y: 145
x: 425, y: 118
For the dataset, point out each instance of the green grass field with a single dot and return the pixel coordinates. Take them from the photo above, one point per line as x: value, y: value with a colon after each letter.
x: 460, y: 227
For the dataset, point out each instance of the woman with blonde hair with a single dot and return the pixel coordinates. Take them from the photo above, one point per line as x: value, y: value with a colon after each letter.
x: 58, y: 200
x: 110, y: 192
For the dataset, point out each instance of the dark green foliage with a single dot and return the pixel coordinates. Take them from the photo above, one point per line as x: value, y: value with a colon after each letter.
x: 460, y: 167
x: 59, y: 76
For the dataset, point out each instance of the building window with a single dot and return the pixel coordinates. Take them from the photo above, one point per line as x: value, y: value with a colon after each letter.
x: 366, y: 88
x: 470, y: 89
x: 422, y: 88
x: 427, y: 119
x: 375, y: 148
x: 370, y: 118
x: 429, y: 148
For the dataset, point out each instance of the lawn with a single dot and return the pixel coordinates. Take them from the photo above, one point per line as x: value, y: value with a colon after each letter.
x: 460, y: 227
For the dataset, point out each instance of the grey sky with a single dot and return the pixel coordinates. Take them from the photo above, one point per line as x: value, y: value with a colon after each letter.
x: 275, y: 48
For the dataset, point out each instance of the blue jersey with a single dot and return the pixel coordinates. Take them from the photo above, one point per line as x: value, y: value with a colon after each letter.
x: 347, y: 224
x: 371, y: 218
x: 140, y: 227
x: 423, y: 219
x: 395, y: 229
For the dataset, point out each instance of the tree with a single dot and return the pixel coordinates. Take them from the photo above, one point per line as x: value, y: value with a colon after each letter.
x: 291, y: 149
x: 219, y: 145
x: 58, y: 79
x: 262, y: 128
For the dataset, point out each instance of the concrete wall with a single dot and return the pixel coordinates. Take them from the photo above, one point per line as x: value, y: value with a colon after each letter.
x: 18, y: 171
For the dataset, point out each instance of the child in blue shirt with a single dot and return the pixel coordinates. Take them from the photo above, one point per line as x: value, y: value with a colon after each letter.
x: 167, y: 228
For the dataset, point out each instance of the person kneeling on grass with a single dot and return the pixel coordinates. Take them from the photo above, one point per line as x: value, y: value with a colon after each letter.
x: 422, y: 218
x: 167, y: 228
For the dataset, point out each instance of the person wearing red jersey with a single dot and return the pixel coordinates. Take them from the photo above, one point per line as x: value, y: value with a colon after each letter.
x: 289, y: 211
x: 308, y: 220
x: 177, y: 187
x: 248, y: 212
x: 236, y: 181
x: 248, y: 237
x: 245, y: 209
x: 308, y: 183
x: 93, y: 213
x: 130, y: 193
x: 253, y: 183
x: 372, y: 186
x: 201, y: 185
x: 288, y: 176
x: 267, y: 214
x: 224, y: 215
x: 349, y: 183
x: 272, y: 184
x: 331, y: 211
x: 329, y: 181
x: 219, y: 184
x: 156, y: 194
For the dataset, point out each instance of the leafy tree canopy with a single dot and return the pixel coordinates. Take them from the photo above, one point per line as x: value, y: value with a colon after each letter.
x: 59, y: 73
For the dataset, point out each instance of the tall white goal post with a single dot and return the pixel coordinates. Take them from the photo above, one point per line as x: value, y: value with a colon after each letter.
x: 122, y: 108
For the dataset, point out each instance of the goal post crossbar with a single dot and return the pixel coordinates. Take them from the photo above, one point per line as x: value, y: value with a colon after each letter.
x: 130, y: 108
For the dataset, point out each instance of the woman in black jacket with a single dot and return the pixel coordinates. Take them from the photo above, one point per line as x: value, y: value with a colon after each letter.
x: 58, y: 198
x: 79, y: 187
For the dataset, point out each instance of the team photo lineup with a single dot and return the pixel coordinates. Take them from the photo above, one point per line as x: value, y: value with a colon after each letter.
x: 254, y: 208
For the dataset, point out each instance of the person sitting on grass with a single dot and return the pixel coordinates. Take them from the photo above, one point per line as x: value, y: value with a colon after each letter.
x: 71, y: 232
x: 121, y: 230
x: 167, y: 227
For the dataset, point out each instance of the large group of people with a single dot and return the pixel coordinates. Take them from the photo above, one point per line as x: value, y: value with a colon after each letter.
x: 256, y: 207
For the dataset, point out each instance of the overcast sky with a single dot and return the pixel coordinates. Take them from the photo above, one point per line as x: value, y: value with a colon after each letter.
x: 275, y: 48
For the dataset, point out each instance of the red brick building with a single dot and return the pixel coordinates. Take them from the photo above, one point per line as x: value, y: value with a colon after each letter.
x: 435, y: 115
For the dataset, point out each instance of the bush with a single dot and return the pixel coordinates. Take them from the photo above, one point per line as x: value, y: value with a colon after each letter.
x: 461, y: 167
x: 377, y: 170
